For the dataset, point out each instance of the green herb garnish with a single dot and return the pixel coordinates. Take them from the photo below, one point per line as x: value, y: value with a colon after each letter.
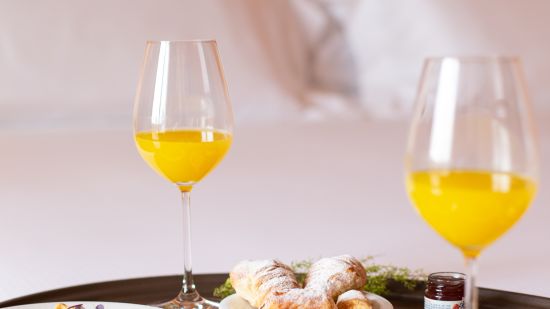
x: 300, y: 269
x: 224, y: 290
x: 379, y: 276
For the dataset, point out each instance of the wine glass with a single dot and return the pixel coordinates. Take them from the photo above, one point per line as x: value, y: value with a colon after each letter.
x: 471, y: 159
x: 183, y: 124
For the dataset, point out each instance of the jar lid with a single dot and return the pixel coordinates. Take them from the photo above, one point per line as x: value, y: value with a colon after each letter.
x: 451, y: 278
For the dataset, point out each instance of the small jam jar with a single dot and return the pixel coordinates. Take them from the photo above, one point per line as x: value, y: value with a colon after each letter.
x: 444, y: 290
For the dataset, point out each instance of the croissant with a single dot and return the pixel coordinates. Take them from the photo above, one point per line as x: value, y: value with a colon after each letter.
x: 255, y: 280
x: 299, y: 299
x: 336, y: 275
x: 271, y: 284
x: 353, y: 299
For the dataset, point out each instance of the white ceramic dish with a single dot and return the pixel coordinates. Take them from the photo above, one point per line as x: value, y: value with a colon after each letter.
x: 236, y: 302
x: 86, y: 304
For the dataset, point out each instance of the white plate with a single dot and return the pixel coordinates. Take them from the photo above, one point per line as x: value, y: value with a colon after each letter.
x: 86, y: 304
x: 236, y: 302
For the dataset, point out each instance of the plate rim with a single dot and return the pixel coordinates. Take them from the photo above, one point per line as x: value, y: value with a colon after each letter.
x: 74, y: 302
x: 381, y: 301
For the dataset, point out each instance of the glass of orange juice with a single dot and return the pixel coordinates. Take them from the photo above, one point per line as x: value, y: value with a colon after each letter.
x: 471, y: 159
x: 183, y: 127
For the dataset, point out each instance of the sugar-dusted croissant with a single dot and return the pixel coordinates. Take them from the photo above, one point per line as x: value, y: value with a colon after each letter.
x: 272, y: 285
x: 255, y: 280
x: 353, y: 299
x: 299, y: 299
x: 336, y: 275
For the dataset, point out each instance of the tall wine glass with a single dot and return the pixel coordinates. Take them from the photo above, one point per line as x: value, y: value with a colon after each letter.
x: 471, y: 159
x: 183, y: 126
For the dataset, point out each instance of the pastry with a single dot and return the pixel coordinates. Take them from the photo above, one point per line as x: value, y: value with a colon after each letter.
x: 270, y: 284
x: 353, y: 299
x: 299, y: 299
x: 255, y: 280
x: 336, y: 275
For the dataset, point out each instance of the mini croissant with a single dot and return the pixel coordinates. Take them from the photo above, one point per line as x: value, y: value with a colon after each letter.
x: 255, y: 280
x: 271, y: 284
x: 353, y: 299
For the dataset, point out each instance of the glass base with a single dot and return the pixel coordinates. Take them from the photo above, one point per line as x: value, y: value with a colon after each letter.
x: 189, y: 301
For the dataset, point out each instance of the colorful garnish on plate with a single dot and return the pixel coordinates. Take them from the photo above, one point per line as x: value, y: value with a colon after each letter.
x: 79, y: 306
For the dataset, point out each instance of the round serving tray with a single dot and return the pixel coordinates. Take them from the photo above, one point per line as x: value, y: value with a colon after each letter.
x: 154, y: 290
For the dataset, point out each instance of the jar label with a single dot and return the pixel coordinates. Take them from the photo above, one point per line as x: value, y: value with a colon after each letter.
x: 443, y: 304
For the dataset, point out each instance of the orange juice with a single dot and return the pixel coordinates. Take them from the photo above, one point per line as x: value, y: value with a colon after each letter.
x: 184, y: 156
x: 470, y: 209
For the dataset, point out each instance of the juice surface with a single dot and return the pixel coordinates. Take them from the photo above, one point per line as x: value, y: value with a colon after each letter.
x: 184, y: 156
x: 470, y: 209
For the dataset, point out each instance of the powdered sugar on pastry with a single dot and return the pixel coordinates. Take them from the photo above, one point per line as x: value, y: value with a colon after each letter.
x: 299, y: 298
x: 336, y: 275
x: 255, y: 280
x: 270, y: 284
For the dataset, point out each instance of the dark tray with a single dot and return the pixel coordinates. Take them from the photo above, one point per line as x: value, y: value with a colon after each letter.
x: 158, y: 289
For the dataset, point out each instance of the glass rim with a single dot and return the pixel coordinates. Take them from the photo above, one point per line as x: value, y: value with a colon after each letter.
x: 195, y: 41
x: 476, y: 58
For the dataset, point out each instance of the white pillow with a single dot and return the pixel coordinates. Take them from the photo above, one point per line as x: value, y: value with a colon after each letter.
x: 390, y: 39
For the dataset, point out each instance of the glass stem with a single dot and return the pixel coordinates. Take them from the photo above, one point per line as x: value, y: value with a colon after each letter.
x: 471, y: 292
x: 188, y: 283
